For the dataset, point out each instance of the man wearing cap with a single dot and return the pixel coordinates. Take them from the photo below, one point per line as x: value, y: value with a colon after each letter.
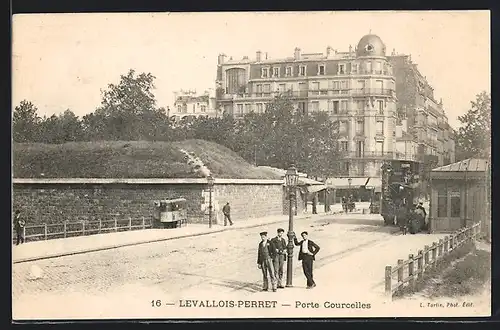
x: 19, y: 224
x: 307, y: 253
x: 279, y: 245
x: 265, y: 257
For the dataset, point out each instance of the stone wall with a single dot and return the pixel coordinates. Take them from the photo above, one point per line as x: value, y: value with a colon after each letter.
x: 55, y: 201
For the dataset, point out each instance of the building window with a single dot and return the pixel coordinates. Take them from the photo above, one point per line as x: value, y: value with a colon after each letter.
x: 454, y: 202
x: 203, y: 108
x: 276, y: 72
x: 260, y: 108
x: 194, y: 108
x: 380, y: 107
x: 303, y: 108
x: 179, y: 108
x: 264, y: 73
x: 380, y: 128
x: 315, y: 86
x: 341, y: 69
x: 335, y: 84
x: 248, y: 108
x: 282, y: 88
x: 288, y: 71
x: 240, y: 109
x: 346, y: 167
x: 360, y: 127
x: 442, y: 202
x: 302, y: 70
x: 315, y: 106
x: 267, y: 89
x: 343, y: 146
x: 354, y: 68
x: 343, y: 126
x: 335, y: 107
x: 343, y: 105
x: 360, y: 104
x: 343, y: 84
x: 321, y: 69
x: 360, y: 149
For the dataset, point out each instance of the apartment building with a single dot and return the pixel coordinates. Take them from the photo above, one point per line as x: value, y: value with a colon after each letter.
x: 358, y: 88
x: 189, y: 104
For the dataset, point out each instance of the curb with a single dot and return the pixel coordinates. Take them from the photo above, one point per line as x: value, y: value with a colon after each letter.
x: 64, y: 254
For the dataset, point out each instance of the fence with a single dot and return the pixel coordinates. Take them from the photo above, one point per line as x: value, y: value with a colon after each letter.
x: 427, y: 259
x: 83, y: 228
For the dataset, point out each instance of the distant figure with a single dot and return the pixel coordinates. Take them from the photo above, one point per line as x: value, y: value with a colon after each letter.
x: 307, y: 252
x: 265, y: 256
x: 279, y: 245
x: 344, y: 204
x: 227, y: 214
x: 19, y: 224
x: 421, y: 207
x: 314, y: 204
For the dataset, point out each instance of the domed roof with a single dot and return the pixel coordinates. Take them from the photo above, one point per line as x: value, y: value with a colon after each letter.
x: 370, y: 45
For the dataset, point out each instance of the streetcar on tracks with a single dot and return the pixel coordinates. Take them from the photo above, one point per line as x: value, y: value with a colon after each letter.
x: 170, y: 213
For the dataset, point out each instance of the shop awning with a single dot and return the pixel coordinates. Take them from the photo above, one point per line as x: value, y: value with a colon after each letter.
x: 316, y: 188
x: 343, y: 183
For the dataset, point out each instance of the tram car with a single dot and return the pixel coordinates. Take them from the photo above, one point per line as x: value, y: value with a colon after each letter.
x: 400, y: 191
x: 170, y: 213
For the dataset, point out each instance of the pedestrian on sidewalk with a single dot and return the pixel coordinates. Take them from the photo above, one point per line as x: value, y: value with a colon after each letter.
x: 279, y: 244
x: 227, y: 214
x: 307, y: 252
x: 19, y: 224
x: 265, y: 257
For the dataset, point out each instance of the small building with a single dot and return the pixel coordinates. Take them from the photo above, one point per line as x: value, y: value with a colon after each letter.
x: 461, y: 196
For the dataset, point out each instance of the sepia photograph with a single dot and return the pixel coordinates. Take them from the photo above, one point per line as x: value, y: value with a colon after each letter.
x: 225, y: 165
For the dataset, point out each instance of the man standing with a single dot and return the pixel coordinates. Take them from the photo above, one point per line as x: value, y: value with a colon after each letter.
x: 279, y: 245
x: 265, y: 257
x: 19, y: 224
x: 227, y: 214
x: 307, y: 253
x: 421, y: 207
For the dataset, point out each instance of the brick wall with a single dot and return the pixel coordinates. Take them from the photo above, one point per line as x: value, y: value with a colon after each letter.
x: 58, y: 202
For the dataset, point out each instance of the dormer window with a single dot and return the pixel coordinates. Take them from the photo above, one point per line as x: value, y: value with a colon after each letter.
x: 321, y: 70
x: 341, y: 69
x: 302, y: 70
x: 276, y: 72
x: 264, y: 73
x: 289, y: 71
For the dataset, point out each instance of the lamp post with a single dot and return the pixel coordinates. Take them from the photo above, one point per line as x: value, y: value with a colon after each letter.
x: 348, y: 198
x: 291, y: 179
x: 210, y: 182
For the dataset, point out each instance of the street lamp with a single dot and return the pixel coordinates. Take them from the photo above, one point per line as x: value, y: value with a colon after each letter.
x: 291, y: 178
x: 210, y: 182
x: 350, y: 181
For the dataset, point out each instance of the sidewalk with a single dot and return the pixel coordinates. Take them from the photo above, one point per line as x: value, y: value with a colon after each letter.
x: 83, y: 244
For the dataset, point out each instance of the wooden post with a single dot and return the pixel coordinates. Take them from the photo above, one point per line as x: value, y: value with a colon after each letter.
x: 100, y: 225
x: 24, y: 233
x: 83, y: 228
x: 65, y: 230
x: 446, y: 246
x: 45, y: 231
x: 116, y: 225
x: 411, y: 271
x: 440, y: 248
x: 388, y: 284
x: 143, y: 223
x: 129, y: 223
x: 400, y: 271
x: 434, y: 253
x: 420, y: 261
x: 426, y: 257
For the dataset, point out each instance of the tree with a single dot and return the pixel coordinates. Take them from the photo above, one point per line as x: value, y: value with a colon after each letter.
x: 128, y: 111
x: 25, y: 123
x: 63, y: 128
x: 473, y: 138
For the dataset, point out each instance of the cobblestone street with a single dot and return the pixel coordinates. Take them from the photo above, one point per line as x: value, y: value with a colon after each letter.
x: 221, y: 263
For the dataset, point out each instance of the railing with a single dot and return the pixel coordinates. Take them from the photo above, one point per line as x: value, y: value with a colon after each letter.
x: 426, y: 259
x: 368, y: 154
x: 82, y: 228
x: 376, y: 91
x: 312, y: 92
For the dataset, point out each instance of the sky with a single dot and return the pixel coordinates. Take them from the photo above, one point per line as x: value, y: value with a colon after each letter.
x: 62, y: 61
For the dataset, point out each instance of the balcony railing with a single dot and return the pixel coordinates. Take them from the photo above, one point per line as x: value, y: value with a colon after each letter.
x: 311, y: 93
x: 368, y: 154
x: 372, y: 91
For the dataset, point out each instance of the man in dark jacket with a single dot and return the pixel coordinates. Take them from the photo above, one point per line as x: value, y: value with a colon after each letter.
x: 265, y: 257
x: 307, y: 252
x: 279, y: 245
x: 421, y: 207
x: 19, y: 224
x: 227, y: 214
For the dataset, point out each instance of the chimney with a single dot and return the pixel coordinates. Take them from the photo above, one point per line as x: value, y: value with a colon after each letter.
x: 393, y: 52
x: 350, y: 49
x: 221, y: 59
x: 297, y: 53
x: 266, y: 55
x: 258, y: 56
x: 328, y: 51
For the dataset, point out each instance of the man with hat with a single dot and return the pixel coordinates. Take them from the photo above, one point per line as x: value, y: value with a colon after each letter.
x: 307, y: 252
x: 265, y: 257
x: 19, y: 224
x: 279, y: 245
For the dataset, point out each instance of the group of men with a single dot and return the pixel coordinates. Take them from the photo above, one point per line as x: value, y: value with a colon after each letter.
x: 272, y: 254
